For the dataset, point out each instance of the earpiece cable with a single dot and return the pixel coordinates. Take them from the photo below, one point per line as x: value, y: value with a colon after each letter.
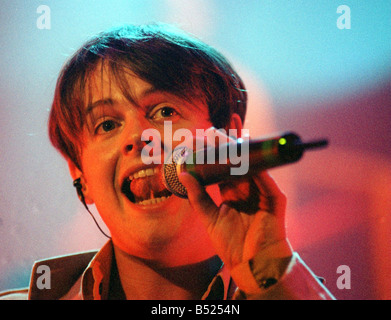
x: 78, y: 186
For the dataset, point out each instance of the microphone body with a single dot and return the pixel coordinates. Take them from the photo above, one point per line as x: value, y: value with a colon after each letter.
x: 259, y: 154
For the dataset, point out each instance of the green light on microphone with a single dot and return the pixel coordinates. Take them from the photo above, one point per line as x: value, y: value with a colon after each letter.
x: 282, y: 141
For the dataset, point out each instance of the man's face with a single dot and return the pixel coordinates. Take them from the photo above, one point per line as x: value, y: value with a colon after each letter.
x: 115, y: 177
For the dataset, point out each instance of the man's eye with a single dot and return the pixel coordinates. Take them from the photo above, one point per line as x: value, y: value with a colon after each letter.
x: 106, y: 126
x: 164, y: 112
x: 167, y: 112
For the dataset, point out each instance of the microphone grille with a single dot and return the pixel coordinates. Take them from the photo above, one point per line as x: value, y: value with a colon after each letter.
x: 170, y: 172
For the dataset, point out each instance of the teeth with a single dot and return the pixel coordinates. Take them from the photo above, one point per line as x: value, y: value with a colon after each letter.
x: 152, y: 201
x: 144, y: 173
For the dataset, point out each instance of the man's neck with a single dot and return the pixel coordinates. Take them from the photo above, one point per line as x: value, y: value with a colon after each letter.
x: 149, y: 280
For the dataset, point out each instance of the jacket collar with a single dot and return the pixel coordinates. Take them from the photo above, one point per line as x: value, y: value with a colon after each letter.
x: 86, y: 276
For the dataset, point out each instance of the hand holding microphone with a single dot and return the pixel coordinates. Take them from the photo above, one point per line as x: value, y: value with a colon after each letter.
x: 249, y: 223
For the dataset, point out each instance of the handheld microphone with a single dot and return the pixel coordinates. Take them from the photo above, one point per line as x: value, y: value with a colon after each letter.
x: 261, y: 154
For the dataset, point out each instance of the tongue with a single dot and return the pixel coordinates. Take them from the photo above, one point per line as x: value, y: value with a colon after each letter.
x: 147, y: 188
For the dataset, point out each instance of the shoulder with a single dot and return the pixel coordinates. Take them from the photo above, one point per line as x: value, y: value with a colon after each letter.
x: 66, y: 262
x: 62, y: 272
x: 16, y: 294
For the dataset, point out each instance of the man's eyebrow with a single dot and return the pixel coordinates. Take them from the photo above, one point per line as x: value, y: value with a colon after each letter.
x: 98, y: 103
x: 110, y: 101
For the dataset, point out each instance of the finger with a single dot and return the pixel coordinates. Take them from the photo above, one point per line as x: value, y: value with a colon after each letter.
x: 270, y: 190
x: 244, y: 195
x: 199, y: 199
x: 266, y: 184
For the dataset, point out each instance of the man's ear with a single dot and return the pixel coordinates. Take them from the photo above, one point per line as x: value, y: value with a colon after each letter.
x: 76, y: 173
x: 235, y: 123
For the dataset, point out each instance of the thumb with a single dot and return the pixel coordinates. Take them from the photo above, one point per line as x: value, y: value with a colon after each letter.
x: 199, y: 199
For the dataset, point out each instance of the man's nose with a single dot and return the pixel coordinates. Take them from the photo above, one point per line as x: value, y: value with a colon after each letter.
x: 135, y: 143
x: 138, y: 135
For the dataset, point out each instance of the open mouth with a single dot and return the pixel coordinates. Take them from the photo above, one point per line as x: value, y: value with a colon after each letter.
x: 145, y: 187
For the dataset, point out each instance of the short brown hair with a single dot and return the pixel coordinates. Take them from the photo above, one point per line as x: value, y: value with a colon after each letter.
x: 159, y: 54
